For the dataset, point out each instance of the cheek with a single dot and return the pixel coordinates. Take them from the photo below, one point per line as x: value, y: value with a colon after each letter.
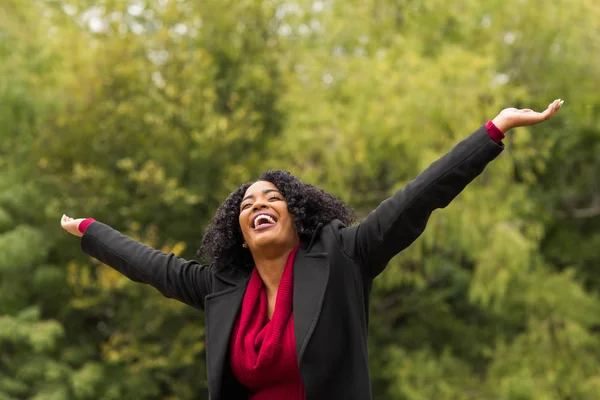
x: 289, y: 219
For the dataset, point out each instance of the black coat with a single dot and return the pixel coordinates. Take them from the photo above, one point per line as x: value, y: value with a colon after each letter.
x: 333, y: 274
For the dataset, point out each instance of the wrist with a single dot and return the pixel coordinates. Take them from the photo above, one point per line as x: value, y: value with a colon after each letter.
x: 84, y: 224
x: 501, y: 123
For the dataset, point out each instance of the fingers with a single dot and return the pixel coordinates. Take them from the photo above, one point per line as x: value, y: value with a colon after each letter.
x: 555, y: 105
x: 552, y: 108
x: 66, y: 222
x: 71, y: 225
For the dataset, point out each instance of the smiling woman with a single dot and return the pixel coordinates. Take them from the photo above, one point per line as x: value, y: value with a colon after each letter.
x: 286, y: 291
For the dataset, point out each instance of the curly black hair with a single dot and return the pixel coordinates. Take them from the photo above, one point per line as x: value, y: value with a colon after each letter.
x: 308, y: 205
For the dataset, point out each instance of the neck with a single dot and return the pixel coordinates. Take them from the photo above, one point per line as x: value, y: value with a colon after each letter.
x: 270, y: 267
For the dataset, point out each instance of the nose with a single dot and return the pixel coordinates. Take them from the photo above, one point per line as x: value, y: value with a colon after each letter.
x: 259, y: 206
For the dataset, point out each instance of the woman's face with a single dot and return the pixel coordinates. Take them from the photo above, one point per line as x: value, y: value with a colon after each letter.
x: 265, y: 219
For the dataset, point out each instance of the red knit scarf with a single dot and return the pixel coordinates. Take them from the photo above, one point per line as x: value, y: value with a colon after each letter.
x: 263, y: 351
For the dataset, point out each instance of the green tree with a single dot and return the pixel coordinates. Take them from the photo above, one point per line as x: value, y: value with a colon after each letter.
x: 146, y: 114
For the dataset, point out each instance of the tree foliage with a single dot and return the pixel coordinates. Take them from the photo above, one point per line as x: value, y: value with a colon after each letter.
x: 146, y: 114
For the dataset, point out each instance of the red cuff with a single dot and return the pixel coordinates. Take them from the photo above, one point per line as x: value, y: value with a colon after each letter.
x: 495, y: 133
x: 84, y: 224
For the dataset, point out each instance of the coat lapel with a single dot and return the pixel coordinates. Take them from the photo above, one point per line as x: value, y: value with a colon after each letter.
x: 221, y: 310
x: 311, y: 274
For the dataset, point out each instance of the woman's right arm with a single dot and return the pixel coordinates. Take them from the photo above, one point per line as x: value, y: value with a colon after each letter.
x: 174, y: 277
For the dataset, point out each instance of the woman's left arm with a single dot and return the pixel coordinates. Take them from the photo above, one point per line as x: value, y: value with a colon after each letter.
x: 400, y: 220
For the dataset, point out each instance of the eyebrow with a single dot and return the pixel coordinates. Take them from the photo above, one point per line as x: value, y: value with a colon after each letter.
x: 266, y: 191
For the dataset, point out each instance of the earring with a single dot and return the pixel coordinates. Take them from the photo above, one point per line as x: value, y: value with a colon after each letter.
x: 245, y: 245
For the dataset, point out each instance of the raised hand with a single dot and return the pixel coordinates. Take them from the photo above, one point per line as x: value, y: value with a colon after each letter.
x: 512, y: 117
x: 71, y: 225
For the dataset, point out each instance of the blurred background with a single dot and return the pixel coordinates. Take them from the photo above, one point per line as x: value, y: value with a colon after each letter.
x: 146, y: 114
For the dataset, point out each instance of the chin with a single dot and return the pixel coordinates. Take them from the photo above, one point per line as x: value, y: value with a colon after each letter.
x: 266, y: 241
x: 272, y: 237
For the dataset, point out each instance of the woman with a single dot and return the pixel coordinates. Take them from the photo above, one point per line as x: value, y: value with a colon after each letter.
x: 286, y: 294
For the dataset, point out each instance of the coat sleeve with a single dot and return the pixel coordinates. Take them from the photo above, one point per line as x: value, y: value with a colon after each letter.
x: 174, y: 277
x: 400, y: 220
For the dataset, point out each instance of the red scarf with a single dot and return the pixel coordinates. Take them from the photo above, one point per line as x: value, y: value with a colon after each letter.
x: 263, y: 351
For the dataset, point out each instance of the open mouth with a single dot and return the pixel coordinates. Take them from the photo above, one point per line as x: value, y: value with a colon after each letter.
x: 263, y: 221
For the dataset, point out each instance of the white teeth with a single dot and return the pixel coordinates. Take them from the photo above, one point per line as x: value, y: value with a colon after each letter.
x: 263, y: 217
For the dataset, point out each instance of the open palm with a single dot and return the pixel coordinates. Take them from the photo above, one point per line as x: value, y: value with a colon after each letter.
x: 71, y: 225
x: 512, y: 117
